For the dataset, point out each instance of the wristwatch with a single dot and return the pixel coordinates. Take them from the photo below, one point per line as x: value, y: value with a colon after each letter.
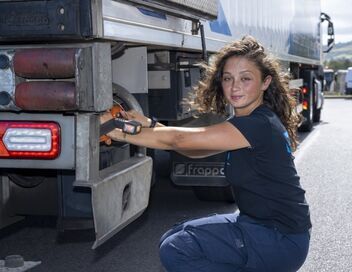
x: 153, y: 122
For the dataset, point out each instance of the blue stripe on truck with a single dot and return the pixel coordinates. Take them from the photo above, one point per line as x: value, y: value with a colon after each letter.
x: 220, y: 25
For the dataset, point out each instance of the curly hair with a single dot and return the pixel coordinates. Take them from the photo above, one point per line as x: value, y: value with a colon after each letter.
x: 209, y: 96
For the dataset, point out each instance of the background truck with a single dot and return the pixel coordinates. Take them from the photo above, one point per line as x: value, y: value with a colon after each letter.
x: 64, y: 62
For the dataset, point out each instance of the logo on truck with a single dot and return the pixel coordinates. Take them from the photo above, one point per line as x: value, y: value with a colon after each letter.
x: 199, y: 169
x: 24, y: 19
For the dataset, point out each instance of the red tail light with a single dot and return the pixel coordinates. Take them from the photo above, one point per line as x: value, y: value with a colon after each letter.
x: 44, y: 66
x: 305, y: 105
x: 46, y: 95
x: 56, y: 78
x: 45, y: 63
x: 29, y: 140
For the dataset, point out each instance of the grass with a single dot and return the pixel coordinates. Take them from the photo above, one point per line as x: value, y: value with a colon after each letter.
x: 337, y: 95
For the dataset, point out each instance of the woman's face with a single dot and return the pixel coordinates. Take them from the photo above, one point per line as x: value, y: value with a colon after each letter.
x: 242, y: 85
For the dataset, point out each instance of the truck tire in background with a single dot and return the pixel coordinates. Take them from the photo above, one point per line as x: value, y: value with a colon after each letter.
x: 318, y: 100
x: 316, y: 114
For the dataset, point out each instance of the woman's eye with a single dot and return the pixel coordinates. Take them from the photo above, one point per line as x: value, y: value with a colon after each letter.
x: 226, y: 78
x: 245, y: 79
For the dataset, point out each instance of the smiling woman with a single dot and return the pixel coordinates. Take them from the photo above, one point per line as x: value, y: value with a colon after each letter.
x: 271, y: 232
x: 242, y: 85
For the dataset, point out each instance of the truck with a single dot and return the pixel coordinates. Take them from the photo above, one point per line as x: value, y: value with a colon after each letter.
x: 63, y: 63
x: 329, y: 75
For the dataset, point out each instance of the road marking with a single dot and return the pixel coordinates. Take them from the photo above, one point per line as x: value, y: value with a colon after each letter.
x: 305, y: 145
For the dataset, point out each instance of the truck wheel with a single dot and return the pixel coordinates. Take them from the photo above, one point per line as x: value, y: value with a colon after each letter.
x: 119, y: 151
x: 128, y: 101
x: 206, y: 193
x: 31, y: 178
x: 316, y: 115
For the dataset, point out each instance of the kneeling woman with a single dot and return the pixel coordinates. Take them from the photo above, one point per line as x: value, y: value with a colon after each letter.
x: 271, y: 230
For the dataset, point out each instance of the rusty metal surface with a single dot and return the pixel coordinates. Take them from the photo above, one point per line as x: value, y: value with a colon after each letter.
x: 46, y: 95
x: 45, y: 63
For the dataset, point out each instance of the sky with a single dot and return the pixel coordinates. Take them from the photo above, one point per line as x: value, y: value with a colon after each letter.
x: 340, y: 12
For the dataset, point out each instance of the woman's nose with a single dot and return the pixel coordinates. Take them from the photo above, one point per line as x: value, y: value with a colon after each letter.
x: 235, y: 85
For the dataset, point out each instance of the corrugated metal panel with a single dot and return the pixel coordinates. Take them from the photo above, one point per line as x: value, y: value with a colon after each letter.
x: 205, y: 6
x: 191, y: 9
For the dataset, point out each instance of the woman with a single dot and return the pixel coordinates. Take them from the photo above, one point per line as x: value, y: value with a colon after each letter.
x: 271, y: 230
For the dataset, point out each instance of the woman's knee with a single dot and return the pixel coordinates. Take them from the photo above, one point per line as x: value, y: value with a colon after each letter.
x: 168, y: 253
x: 178, y: 249
x: 164, y: 252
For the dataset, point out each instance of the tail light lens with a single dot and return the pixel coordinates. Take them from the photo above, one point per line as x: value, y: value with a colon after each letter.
x: 305, y: 105
x: 29, y: 140
x: 56, y: 78
x: 46, y: 64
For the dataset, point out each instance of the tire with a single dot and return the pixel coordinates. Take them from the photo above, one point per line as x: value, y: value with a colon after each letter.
x: 31, y: 178
x: 316, y: 115
x: 205, y: 193
x: 127, y: 100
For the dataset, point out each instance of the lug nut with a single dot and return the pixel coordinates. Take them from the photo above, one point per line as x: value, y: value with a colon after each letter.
x: 4, y: 62
x: 5, y: 98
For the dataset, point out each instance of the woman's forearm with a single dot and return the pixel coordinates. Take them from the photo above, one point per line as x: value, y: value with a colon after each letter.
x: 167, y: 138
x: 202, y: 141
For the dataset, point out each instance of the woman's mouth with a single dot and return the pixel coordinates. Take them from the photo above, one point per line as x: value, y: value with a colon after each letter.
x: 236, y: 97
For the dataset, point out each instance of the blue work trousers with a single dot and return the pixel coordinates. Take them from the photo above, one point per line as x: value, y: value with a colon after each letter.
x: 230, y: 243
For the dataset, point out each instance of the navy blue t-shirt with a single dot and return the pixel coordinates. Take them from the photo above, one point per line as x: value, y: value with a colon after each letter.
x: 264, y: 176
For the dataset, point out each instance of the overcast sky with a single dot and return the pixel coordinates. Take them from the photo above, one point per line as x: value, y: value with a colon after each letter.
x: 340, y: 12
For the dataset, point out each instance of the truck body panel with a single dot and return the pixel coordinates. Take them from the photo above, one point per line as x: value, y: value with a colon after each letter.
x: 288, y: 31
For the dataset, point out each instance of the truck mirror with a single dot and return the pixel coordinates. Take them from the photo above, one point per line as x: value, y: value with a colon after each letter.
x: 330, y: 29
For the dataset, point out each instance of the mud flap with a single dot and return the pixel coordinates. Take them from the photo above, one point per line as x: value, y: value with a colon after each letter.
x: 121, y: 195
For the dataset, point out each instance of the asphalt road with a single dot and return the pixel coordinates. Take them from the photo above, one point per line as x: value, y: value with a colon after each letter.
x: 323, y: 161
x: 325, y: 165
